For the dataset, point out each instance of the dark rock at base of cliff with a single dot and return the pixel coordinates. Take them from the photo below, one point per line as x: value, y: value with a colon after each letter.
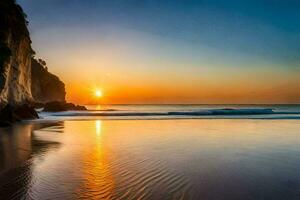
x: 37, y: 105
x: 10, y: 114
x: 57, y: 106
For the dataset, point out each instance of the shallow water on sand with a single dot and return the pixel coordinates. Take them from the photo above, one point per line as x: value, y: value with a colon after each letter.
x: 151, y: 159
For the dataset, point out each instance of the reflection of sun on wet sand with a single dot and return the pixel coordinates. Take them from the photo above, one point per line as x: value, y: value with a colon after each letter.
x: 98, y: 182
x: 149, y: 159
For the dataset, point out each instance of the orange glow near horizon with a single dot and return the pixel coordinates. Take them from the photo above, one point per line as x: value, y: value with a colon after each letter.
x: 185, y: 92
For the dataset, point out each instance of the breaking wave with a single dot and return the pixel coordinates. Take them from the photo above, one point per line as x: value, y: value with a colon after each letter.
x: 257, y: 113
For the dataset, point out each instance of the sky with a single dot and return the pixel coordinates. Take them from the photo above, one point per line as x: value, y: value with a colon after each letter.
x: 170, y: 51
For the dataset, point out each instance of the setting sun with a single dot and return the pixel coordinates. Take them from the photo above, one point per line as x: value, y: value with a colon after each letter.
x: 98, y: 93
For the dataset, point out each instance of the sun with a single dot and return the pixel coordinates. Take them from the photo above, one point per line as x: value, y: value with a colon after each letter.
x: 98, y: 93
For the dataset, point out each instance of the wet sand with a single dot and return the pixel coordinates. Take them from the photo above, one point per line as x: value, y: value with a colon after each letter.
x: 151, y: 159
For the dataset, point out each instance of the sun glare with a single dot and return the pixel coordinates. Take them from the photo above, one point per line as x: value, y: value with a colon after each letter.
x: 98, y: 93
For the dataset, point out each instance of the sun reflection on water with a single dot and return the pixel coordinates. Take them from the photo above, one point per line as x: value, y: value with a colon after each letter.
x: 97, y: 179
x: 98, y: 127
x: 98, y: 107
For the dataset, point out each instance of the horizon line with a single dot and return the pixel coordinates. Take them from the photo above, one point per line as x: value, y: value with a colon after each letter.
x: 196, y: 104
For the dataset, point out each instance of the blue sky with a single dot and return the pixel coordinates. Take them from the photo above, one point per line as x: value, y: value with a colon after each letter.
x: 218, y: 37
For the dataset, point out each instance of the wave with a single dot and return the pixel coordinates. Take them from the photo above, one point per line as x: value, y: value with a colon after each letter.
x: 211, y: 112
x: 226, y: 111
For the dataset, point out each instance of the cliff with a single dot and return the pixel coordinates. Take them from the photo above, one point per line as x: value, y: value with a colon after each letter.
x: 22, y: 78
x: 45, y: 87
x: 15, y: 55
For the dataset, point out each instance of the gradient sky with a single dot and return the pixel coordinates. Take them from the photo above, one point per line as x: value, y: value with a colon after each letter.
x: 170, y: 51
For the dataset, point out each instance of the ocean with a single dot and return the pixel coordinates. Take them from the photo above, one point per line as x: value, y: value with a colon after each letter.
x: 180, y: 112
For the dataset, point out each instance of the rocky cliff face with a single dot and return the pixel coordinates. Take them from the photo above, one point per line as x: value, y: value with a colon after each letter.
x: 22, y: 78
x: 15, y: 55
x: 45, y: 87
x: 24, y: 81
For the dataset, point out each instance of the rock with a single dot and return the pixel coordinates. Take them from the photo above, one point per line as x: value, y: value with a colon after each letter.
x: 15, y: 55
x: 6, y: 116
x: 10, y: 114
x: 25, y: 112
x: 78, y: 107
x: 37, y: 105
x: 57, y: 106
x: 23, y: 79
x: 45, y: 87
